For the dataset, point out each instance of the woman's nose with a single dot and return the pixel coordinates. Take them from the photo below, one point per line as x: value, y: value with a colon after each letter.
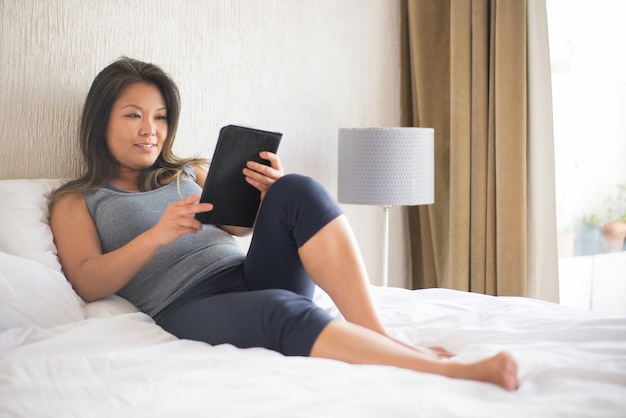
x: 147, y: 128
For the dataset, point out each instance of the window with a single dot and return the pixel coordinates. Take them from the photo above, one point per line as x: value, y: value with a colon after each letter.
x: 589, y: 102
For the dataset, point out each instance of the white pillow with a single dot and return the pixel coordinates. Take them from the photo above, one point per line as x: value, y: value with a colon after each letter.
x: 108, y: 307
x: 7, y: 294
x: 24, y: 225
x: 38, y: 295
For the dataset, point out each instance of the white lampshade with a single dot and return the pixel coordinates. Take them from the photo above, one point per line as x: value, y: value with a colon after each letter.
x: 386, y: 166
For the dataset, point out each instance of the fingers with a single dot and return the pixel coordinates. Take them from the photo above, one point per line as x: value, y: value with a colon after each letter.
x: 273, y: 171
x: 187, y: 208
x: 178, y: 219
x: 273, y: 159
x: 190, y: 206
x: 262, y: 176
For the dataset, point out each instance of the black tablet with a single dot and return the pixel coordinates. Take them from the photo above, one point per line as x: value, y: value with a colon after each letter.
x: 235, y: 202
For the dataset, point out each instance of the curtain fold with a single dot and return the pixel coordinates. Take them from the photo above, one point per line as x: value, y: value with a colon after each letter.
x: 543, y: 272
x: 430, y: 87
x: 469, y: 81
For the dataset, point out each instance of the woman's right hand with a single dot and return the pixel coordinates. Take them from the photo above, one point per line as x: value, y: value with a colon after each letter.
x: 179, y: 219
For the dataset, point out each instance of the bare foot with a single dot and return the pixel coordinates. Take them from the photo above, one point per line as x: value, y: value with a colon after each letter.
x: 434, y: 352
x: 500, y: 370
x: 440, y: 352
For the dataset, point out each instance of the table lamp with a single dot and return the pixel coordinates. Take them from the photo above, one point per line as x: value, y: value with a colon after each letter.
x: 386, y: 167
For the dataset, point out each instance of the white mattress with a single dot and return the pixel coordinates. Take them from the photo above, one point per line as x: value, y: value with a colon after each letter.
x: 118, y: 363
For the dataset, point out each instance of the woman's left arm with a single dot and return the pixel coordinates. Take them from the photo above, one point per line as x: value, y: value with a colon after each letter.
x: 260, y: 176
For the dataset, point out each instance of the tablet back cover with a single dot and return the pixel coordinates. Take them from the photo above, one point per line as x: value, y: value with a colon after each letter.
x: 235, y: 202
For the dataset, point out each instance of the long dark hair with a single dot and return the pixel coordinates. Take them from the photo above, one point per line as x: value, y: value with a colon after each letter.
x: 100, y: 166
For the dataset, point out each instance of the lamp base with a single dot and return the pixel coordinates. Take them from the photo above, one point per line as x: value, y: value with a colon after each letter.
x: 386, y: 209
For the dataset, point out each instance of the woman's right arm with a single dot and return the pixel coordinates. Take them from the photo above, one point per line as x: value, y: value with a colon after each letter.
x: 95, y: 275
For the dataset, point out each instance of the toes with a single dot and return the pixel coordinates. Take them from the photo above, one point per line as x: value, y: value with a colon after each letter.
x: 509, y: 371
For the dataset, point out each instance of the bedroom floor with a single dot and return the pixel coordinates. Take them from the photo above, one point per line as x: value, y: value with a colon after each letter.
x: 594, y: 282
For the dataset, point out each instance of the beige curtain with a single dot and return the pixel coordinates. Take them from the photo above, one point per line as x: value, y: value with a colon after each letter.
x: 468, y: 64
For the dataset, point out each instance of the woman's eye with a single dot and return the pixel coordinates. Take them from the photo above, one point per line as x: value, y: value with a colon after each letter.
x: 162, y: 117
x: 133, y: 115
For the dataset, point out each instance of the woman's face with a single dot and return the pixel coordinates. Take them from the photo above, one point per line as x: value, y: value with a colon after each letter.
x: 137, y: 127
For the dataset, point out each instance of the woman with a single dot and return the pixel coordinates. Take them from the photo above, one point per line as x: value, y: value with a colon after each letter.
x: 127, y: 226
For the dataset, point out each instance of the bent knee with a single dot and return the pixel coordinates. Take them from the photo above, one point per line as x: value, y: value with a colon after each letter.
x: 292, y: 183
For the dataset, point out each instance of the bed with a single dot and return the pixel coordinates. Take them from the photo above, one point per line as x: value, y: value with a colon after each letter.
x: 60, y: 356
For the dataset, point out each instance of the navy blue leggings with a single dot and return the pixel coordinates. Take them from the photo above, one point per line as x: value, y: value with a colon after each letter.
x: 266, y: 302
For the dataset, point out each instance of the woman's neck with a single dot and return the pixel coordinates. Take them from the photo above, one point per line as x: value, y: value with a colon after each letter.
x: 126, y: 180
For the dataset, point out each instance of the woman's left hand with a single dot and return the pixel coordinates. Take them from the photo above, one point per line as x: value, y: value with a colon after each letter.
x: 262, y: 176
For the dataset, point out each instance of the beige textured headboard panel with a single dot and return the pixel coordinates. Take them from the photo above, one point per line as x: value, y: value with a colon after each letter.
x: 303, y: 67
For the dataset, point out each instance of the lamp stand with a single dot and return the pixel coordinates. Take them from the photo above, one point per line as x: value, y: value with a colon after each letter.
x: 386, y: 245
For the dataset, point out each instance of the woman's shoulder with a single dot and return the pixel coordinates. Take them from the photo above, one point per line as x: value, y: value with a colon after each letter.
x: 190, y: 170
x: 72, y: 190
x: 68, y: 203
x: 198, y: 174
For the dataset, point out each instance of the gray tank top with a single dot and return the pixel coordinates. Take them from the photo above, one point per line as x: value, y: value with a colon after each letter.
x: 120, y: 216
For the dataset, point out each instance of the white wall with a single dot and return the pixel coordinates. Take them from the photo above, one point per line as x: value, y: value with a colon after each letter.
x: 594, y: 282
x: 303, y: 67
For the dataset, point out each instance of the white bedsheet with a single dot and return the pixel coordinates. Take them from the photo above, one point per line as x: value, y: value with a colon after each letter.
x: 118, y: 363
